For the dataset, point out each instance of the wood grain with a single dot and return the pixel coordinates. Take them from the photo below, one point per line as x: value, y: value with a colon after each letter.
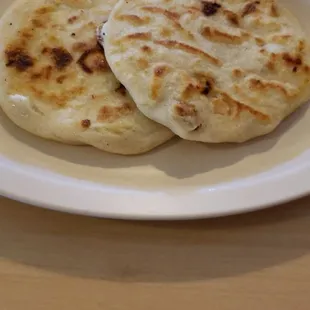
x: 50, y: 260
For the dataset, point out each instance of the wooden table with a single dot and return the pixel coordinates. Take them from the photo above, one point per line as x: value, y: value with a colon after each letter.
x: 54, y: 261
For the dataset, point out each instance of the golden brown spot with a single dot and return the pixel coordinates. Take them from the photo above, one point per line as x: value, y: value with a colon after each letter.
x: 216, y: 35
x: 26, y: 34
x: 142, y: 63
x: 301, y: 46
x: 187, y: 114
x: 306, y: 68
x: 38, y: 23
x: 72, y: 19
x: 19, y: 59
x: 281, y: 39
x: 159, y: 73
x: 232, y: 17
x: 191, y: 89
x: 61, y: 57
x: 165, y: 32
x: 260, y: 41
x: 86, y: 123
x: 265, y: 85
x: 240, y: 107
x: 185, y: 109
x: 237, y: 73
x: 202, y: 85
x: 192, y: 9
x: 45, y: 73
x: 210, y: 8
x: 134, y: 19
x: 270, y: 65
x: 250, y: 8
x: 54, y: 97
x: 221, y: 107
x: 188, y: 49
x: 144, y: 36
x: 146, y: 49
x: 171, y: 15
x: 112, y: 114
x: 274, y: 10
x: 44, y: 10
x: 61, y: 79
x: 93, y: 60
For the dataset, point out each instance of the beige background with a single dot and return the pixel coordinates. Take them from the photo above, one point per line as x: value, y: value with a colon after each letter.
x: 50, y: 260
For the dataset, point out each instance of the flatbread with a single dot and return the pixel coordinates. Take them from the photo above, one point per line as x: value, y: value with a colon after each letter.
x: 56, y: 83
x: 211, y: 71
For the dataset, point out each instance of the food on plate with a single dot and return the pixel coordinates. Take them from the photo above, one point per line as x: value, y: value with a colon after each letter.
x: 55, y: 81
x: 211, y: 71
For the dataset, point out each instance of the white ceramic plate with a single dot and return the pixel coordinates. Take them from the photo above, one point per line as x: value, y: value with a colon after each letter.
x: 178, y: 181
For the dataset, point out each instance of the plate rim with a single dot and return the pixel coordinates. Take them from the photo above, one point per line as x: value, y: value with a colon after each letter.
x: 74, y: 196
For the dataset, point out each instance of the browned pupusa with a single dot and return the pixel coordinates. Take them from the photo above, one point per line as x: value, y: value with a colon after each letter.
x: 229, y: 70
x: 57, y: 84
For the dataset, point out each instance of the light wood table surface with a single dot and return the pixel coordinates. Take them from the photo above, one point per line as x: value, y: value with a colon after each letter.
x: 55, y: 261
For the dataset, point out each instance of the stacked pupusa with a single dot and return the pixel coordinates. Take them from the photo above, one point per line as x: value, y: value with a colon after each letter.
x: 211, y: 71
x: 55, y: 81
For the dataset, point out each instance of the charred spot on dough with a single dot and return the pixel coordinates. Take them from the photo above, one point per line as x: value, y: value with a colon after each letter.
x: 121, y: 90
x: 250, y: 8
x: 111, y: 114
x: 210, y: 8
x: 19, y: 59
x: 207, y: 88
x: 86, y: 123
x: 61, y: 57
x: 93, y: 60
x: 291, y: 60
